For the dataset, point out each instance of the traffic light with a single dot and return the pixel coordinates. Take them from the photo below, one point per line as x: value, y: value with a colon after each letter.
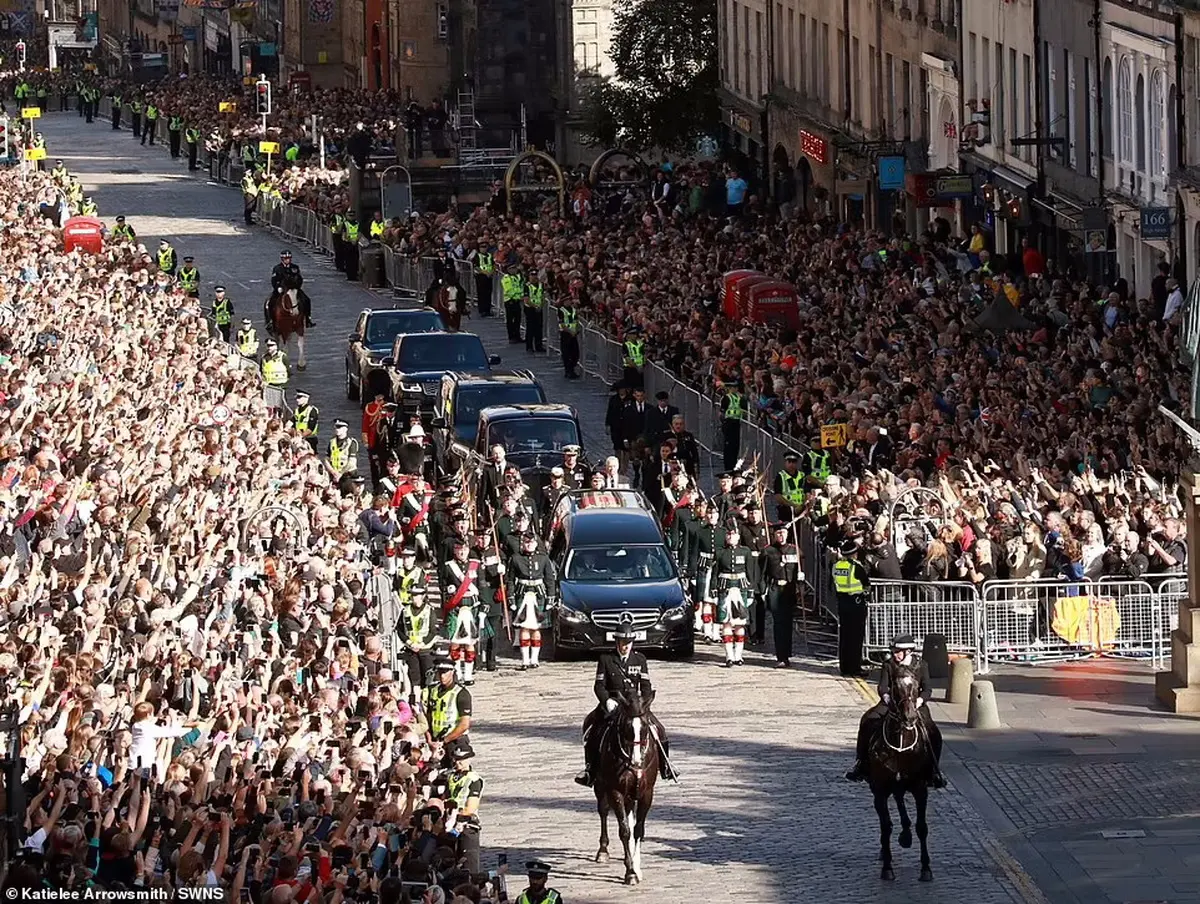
x: 262, y: 98
x: 21, y: 54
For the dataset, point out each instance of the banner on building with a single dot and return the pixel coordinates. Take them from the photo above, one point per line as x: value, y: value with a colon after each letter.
x: 208, y: 4
x: 1155, y: 223
x: 321, y: 12
x: 168, y: 10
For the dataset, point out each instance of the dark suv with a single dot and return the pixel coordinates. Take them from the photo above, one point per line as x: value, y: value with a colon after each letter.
x: 613, y: 564
x: 418, y: 361
x: 463, y: 396
x: 374, y: 335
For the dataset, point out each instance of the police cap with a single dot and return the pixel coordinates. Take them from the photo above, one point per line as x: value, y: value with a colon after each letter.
x: 791, y: 456
x: 537, y: 868
x: 462, y: 753
x: 301, y: 394
x: 444, y: 665
x: 215, y: 288
x: 188, y: 259
x: 339, y: 424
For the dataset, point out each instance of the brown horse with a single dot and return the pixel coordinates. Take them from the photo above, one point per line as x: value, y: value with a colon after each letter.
x: 628, y: 767
x: 900, y: 761
x: 288, y: 322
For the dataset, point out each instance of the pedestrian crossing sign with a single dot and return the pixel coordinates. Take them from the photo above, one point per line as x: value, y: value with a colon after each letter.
x: 31, y: 113
x: 227, y: 106
x: 268, y: 147
x: 35, y: 153
x: 834, y: 436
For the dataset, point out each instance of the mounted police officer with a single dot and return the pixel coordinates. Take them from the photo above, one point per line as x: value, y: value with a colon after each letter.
x: 872, y: 720
x: 285, y: 276
x: 616, y: 673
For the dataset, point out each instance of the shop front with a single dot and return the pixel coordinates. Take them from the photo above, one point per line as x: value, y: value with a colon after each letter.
x: 802, y: 159
x: 743, y: 132
x: 1006, y: 201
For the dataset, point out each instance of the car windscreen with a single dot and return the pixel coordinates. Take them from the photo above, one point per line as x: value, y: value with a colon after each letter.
x: 602, y: 564
x: 442, y: 352
x: 473, y: 399
x: 529, y: 435
x: 383, y: 327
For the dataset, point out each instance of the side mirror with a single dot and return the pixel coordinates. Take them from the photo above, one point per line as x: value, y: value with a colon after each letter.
x: 389, y: 361
x: 353, y: 337
x: 438, y: 423
x: 493, y: 360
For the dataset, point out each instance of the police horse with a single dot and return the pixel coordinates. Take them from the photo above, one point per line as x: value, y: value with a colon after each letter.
x: 287, y: 318
x: 900, y: 761
x: 627, y: 768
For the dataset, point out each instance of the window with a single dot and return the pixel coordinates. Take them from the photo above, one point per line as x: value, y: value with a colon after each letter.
x: 1106, y: 110
x: 889, y: 87
x: 998, y: 97
x: 825, y: 57
x: 731, y: 59
x: 747, y: 87
x: 1089, y: 119
x: 1158, y: 120
x: 923, y: 124
x: 791, y: 49
x: 759, y: 59
x: 839, y: 89
x: 1139, y: 118
x: 972, y: 63
x: 1014, y: 95
x: 873, y: 117
x: 803, y: 86
x: 1052, y: 92
x: 1125, y: 112
x: 1030, y: 87
x: 906, y: 110
x: 986, y: 86
x: 854, y: 99
x: 1069, y: 120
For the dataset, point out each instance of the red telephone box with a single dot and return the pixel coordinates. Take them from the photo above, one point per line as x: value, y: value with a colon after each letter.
x: 84, y: 233
x: 728, y: 298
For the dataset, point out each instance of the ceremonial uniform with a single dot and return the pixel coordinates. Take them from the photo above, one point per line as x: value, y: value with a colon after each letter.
x: 755, y: 537
x: 704, y: 540
x: 781, y: 577
x: 530, y: 578
x: 414, y: 518
x: 731, y: 569
x: 460, y: 579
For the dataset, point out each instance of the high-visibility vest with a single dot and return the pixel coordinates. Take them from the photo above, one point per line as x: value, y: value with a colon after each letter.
x: 342, y: 456
x: 459, y: 785
x: 59, y: 172
x: 844, y: 579
x: 135, y: 108
x: 249, y: 186
x: 792, y: 486
x: 192, y: 136
x: 152, y: 112
x: 443, y: 715
x: 537, y: 295
x: 274, y: 371
x: 292, y: 154
x: 189, y: 278
x: 116, y: 99
x: 39, y: 142
x: 123, y: 231
x: 88, y: 209
x: 513, y: 286
x: 569, y: 320
x: 248, y: 153
x: 166, y: 258
x: 635, y: 352
x: 487, y: 263
x: 552, y: 897
x: 300, y: 417
x: 418, y: 622
x: 377, y: 227
x: 818, y: 465
x: 222, y: 309
x: 175, y: 124
x: 247, y: 341
x: 338, y: 226
x: 351, y: 231
x: 733, y: 405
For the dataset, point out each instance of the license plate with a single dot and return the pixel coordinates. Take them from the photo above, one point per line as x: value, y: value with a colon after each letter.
x: 638, y: 635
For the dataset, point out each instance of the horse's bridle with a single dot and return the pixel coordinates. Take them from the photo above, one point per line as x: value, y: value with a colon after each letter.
x: 895, y: 714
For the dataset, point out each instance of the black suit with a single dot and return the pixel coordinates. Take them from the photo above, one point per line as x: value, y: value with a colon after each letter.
x: 869, y: 727
x: 633, y: 422
x: 490, y: 482
x: 658, y: 422
x: 615, y: 677
x: 612, y: 419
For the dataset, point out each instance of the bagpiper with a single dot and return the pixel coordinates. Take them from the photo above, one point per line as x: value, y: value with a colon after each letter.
x: 530, y: 577
x: 731, y: 568
x: 460, y: 580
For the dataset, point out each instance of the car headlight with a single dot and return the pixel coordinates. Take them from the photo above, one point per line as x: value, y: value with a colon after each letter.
x: 412, y: 387
x: 566, y: 613
x: 676, y: 614
x: 375, y: 360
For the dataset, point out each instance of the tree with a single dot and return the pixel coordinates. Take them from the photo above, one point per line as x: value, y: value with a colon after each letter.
x: 664, y: 94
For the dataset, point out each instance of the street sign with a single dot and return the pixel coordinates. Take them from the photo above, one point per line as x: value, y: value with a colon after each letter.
x: 834, y: 436
x: 35, y: 153
x: 268, y: 147
x: 221, y: 415
x: 176, y: 38
x: 227, y: 106
x: 891, y: 172
x: 1156, y: 223
x: 31, y: 113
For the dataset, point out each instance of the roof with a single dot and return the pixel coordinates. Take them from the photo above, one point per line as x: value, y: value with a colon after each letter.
x: 511, y: 412
x: 472, y: 377
x: 442, y: 333
x: 605, y: 526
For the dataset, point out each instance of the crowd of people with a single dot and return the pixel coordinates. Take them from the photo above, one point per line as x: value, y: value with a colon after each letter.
x: 194, y: 658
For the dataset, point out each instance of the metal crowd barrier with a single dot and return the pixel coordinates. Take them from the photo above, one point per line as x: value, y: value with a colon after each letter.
x: 918, y: 608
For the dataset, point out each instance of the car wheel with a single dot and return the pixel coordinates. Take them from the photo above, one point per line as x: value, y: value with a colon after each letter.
x: 351, y: 389
x: 686, y: 650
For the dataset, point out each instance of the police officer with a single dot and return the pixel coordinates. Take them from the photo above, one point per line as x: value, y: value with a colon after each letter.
x: 634, y: 358
x: 781, y: 577
x: 337, y: 228
x: 378, y: 227
x: 535, y: 307
x: 166, y: 257
x: 115, y: 97
x: 306, y: 419
x: 88, y: 207
x: 512, y: 288
x: 465, y: 788
x: 151, y: 125
x: 191, y: 136
x: 189, y: 278
x: 868, y: 727
x: 350, y: 233
x: 343, y: 450
x: 733, y: 410
x: 59, y: 172
x: 617, y: 674
x: 789, y: 489
x: 417, y: 629
x: 275, y: 368
x: 249, y: 196
x: 247, y: 339
x: 448, y: 706
x: 850, y: 586
x: 222, y: 311
x: 537, y: 892
x: 175, y: 134
x: 568, y: 337
x: 135, y: 118
x: 485, y: 270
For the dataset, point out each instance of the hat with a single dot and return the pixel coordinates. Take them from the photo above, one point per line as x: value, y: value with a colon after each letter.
x: 215, y: 288
x: 570, y: 449
x: 339, y: 424
x: 751, y: 506
x: 410, y: 551
x: 285, y: 253
x: 444, y: 665
x: 301, y: 394
x: 726, y: 475
x: 791, y: 456
x: 459, y: 541
x: 527, y: 536
x: 247, y: 322
x: 188, y: 258
x: 121, y: 219
x: 462, y: 753
x: 779, y: 525
x: 557, y: 471
x: 904, y: 642
x: 537, y: 867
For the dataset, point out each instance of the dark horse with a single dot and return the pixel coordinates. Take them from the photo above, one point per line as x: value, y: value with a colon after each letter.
x: 900, y: 762
x: 627, y: 769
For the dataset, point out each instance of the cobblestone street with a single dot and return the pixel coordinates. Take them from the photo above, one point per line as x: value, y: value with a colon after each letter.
x: 762, y: 814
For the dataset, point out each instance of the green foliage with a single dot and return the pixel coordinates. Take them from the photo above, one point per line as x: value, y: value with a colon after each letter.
x: 664, y: 95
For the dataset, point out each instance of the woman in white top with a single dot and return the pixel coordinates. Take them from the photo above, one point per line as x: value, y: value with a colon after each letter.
x: 143, y: 748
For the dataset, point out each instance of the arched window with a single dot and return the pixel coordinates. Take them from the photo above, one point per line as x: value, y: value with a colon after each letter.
x: 1172, y: 135
x: 1125, y: 112
x: 1139, y: 110
x: 1158, y: 123
x: 1106, y: 99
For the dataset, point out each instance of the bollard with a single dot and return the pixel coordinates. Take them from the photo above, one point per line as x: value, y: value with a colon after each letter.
x: 981, y: 711
x: 962, y: 673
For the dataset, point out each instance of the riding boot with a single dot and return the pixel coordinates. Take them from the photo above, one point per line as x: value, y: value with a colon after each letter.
x: 586, y: 777
x: 936, y: 779
x: 306, y: 309
x: 861, y: 744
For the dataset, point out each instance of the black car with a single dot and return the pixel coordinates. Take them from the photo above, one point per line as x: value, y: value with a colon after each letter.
x: 463, y: 396
x: 418, y: 361
x: 533, y: 436
x: 374, y: 336
x: 612, y: 562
